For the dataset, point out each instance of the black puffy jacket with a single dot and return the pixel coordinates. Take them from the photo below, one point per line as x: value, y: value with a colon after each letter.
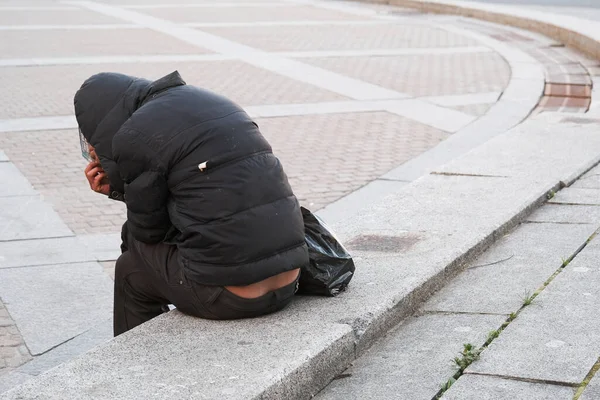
x: 195, y: 171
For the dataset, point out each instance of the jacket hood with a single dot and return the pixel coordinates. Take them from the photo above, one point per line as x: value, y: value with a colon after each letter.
x: 106, y: 101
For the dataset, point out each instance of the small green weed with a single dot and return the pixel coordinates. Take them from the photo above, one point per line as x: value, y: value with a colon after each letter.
x: 448, y: 384
x: 528, y: 299
x: 492, y: 335
x: 469, y: 354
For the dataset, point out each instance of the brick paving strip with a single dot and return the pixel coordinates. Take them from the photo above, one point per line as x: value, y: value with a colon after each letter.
x: 13, y: 351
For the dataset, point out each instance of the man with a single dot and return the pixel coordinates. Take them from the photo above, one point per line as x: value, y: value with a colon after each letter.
x: 212, y: 224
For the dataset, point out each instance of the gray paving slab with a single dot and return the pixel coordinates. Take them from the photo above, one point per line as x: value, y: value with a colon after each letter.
x: 573, y: 195
x: 555, y: 338
x: 11, y: 379
x: 567, y: 214
x: 29, y: 217
x: 175, y: 356
x: 535, y: 148
x: 103, y: 247
x: 53, y: 304
x: 97, y: 335
x: 520, y: 263
x: 480, y: 387
x: 72, y: 249
x: 20, y: 253
x: 590, y: 180
x: 3, y: 157
x: 14, y: 182
x: 350, y: 205
x: 414, y: 360
x: 592, y: 391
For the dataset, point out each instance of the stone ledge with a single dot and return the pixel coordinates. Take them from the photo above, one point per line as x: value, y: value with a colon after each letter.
x: 449, y: 218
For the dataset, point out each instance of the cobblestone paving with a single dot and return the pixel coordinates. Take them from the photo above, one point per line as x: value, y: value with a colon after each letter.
x: 13, y: 351
x: 64, y: 43
x: 385, y: 36
x: 248, y: 14
x: 31, y: 92
x: 426, y: 75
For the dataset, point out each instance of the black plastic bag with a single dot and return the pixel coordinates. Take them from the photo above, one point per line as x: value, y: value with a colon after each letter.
x: 331, y: 267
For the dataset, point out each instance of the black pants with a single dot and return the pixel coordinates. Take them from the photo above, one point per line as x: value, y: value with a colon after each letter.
x: 149, y: 277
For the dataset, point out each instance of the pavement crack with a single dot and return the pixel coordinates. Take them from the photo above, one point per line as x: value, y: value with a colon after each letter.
x: 436, y: 312
x: 492, y: 263
x: 557, y: 222
x: 469, y: 175
x: 528, y: 380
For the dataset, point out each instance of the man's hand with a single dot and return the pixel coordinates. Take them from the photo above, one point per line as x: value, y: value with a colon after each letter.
x: 97, y: 178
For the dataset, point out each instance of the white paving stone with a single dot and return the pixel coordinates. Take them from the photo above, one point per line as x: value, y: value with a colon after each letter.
x: 512, y: 269
x: 384, y: 52
x: 556, y: 337
x: 29, y: 217
x: 445, y: 119
x: 13, y: 182
x: 37, y: 124
x: 53, y: 304
x: 573, y: 195
x: 463, y: 99
x: 89, y: 60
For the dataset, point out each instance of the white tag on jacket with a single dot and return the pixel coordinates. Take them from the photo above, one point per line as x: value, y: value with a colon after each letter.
x: 202, y: 166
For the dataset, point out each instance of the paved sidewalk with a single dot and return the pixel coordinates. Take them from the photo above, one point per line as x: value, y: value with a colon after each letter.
x: 527, y: 308
x: 341, y: 111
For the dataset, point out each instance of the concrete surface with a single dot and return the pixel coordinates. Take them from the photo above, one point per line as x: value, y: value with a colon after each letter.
x: 555, y: 339
x: 196, y: 365
x: 513, y: 269
x: 456, y: 225
x: 413, y: 361
x: 477, y: 387
x: 29, y: 217
x: 575, y: 195
x: 567, y: 214
x: 56, y: 306
x: 592, y: 390
x: 322, y: 99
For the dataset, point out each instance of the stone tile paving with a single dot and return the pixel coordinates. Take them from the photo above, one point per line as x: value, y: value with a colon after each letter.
x: 52, y: 17
x: 543, y: 347
x: 326, y: 156
x: 281, y: 12
x: 64, y: 43
x: 13, y: 351
x: 426, y: 75
x: 303, y: 38
x: 30, y: 93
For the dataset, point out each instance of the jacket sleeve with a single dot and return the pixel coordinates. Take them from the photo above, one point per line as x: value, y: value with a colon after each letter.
x: 145, y: 188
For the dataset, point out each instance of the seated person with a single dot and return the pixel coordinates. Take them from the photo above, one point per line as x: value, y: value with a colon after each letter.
x: 213, y: 226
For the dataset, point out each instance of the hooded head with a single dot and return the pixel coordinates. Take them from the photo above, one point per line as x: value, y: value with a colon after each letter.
x: 105, y: 102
